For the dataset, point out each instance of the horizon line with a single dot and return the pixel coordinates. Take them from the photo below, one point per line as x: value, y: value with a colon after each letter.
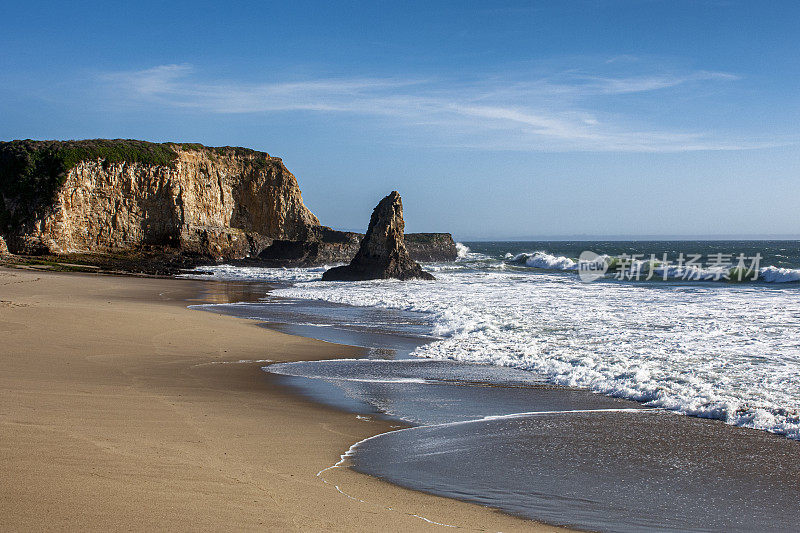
x: 642, y: 238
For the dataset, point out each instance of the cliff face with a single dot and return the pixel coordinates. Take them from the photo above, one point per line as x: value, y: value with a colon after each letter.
x: 219, y: 202
x: 99, y: 196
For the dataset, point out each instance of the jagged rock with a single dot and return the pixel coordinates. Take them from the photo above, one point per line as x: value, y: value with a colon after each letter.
x: 115, y: 195
x: 382, y: 253
x: 3, y: 247
x: 326, y: 246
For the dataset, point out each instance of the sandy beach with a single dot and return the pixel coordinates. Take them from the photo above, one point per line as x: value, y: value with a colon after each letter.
x: 121, y: 409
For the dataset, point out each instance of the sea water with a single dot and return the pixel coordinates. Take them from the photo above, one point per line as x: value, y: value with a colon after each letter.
x: 532, y: 391
x: 715, y: 349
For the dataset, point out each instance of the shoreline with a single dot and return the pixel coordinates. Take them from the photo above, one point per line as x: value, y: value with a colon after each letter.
x: 117, y: 414
x: 746, y: 473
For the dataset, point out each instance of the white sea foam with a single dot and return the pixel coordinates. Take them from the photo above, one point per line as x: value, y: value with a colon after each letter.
x: 543, y: 260
x: 726, y: 351
x: 723, y: 351
x: 779, y: 275
x: 641, y: 269
x: 234, y: 273
x: 461, y: 250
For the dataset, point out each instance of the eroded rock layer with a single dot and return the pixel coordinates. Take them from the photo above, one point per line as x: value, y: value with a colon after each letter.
x: 97, y: 196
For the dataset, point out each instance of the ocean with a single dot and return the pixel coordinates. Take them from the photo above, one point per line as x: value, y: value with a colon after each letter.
x: 511, y: 347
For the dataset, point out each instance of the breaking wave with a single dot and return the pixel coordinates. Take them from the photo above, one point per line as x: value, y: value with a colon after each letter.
x: 724, y: 350
x: 542, y: 260
x: 462, y: 251
x: 646, y: 270
x: 727, y: 352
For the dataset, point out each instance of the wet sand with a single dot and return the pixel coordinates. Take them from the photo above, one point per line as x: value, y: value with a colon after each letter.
x: 614, y: 471
x: 507, y: 439
x: 121, y: 409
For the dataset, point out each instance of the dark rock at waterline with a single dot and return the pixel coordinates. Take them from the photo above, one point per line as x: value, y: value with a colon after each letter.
x: 382, y: 253
x: 431, y: 246
x: 325, y: 246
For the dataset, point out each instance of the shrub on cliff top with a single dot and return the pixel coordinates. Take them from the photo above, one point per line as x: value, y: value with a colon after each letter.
x: 32, y: 171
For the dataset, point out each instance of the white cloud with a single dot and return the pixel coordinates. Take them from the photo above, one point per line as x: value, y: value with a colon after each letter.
x: 653, y: 83
x: 551, y: 113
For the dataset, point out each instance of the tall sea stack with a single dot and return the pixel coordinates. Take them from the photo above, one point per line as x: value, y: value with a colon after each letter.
x: 382, y: 253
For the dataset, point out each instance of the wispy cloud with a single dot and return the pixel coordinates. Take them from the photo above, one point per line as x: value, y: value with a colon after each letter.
x: 638, y: 84
x: 549, y: 113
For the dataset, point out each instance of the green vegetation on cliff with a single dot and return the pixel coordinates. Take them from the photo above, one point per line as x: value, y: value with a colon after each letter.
x: 32, y: 171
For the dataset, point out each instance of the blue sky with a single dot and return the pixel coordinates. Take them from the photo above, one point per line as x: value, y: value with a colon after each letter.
x: 492, y: 119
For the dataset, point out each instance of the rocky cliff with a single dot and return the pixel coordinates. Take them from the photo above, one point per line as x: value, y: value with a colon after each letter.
x: 106, y: 196
x: 91, y: 196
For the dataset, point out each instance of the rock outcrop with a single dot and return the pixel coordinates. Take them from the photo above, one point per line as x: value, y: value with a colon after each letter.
x: 328, y: 246
x: 114, y: 197
x: 382, y: 253
x: 3, y: 247
x: 431, y: 247
x: 101, y: 196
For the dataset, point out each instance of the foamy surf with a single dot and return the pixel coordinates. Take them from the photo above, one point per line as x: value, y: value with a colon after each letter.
x: 646, y: 270
x: 571, y: 457
x: 542, y: 260
x: 726, y: 351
